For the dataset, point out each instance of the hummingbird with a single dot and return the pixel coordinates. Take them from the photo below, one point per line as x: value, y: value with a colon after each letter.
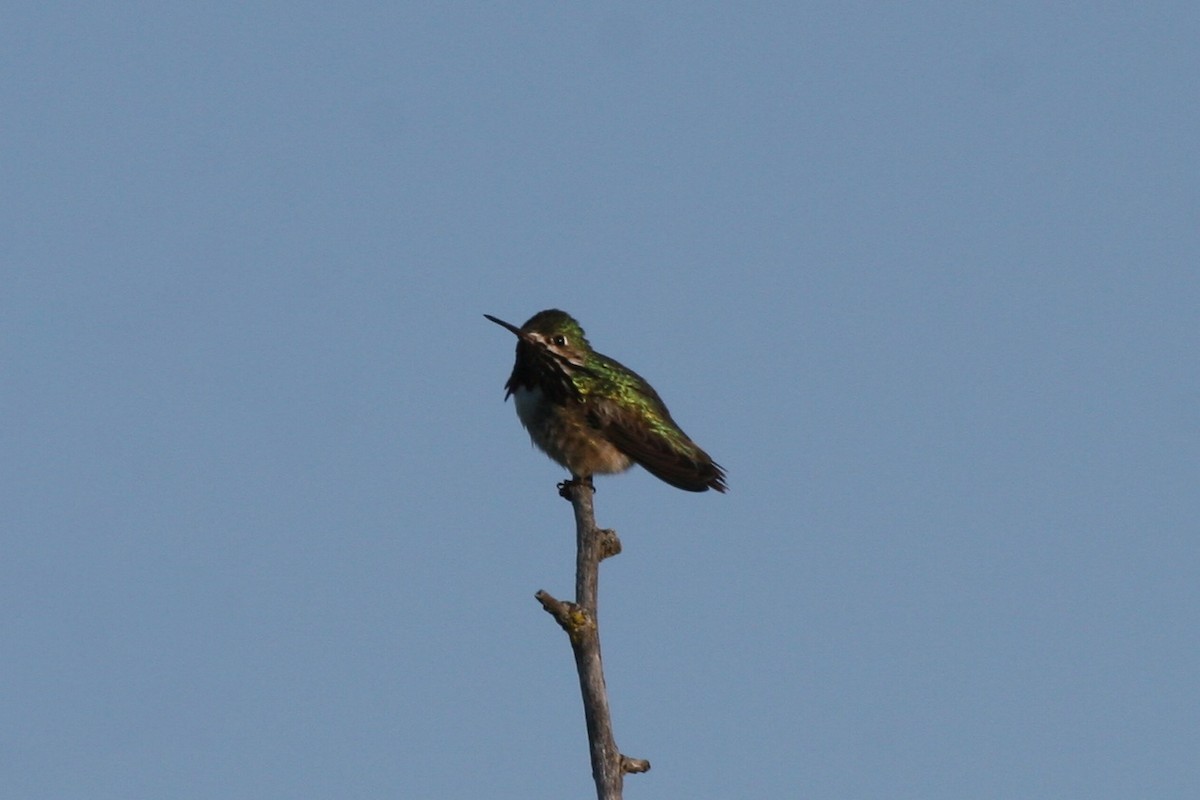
x: 594, y: 415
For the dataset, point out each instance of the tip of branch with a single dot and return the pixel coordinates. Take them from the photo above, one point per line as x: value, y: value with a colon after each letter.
x: 632, y: 765
x: 551, y: 603
x: 610, y: 543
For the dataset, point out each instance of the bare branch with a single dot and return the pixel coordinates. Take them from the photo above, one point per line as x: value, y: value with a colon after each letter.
x: 579, y: 620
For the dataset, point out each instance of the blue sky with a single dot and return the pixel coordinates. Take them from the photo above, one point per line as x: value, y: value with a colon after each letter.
x: 923, y: 277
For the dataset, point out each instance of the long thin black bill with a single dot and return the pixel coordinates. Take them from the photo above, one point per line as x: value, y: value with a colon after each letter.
x: 504, y: 324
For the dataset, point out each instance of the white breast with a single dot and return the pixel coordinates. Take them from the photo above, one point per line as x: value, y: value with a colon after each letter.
x: 528, y: 403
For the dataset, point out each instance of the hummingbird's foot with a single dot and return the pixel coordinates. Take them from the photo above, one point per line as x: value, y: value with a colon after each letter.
x: 564, y: 488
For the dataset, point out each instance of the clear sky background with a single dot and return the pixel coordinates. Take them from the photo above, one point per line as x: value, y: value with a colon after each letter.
x: 925, y: 278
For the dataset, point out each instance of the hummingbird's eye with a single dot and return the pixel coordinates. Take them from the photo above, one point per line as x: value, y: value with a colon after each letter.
x: 560, y: 340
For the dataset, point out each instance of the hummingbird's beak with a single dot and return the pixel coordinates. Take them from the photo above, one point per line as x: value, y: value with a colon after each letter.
x: 504, y: 324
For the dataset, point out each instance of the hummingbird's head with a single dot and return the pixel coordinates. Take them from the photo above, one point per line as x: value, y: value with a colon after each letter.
x: 551, y: 333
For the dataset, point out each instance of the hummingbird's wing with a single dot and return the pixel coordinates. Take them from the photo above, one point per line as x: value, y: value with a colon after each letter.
x: 650, y: 437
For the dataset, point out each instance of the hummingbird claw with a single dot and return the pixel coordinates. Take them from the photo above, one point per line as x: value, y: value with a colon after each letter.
x: 565, y: 487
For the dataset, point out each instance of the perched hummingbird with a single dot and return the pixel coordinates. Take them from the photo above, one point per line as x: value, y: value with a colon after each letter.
x: 594, y: 415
